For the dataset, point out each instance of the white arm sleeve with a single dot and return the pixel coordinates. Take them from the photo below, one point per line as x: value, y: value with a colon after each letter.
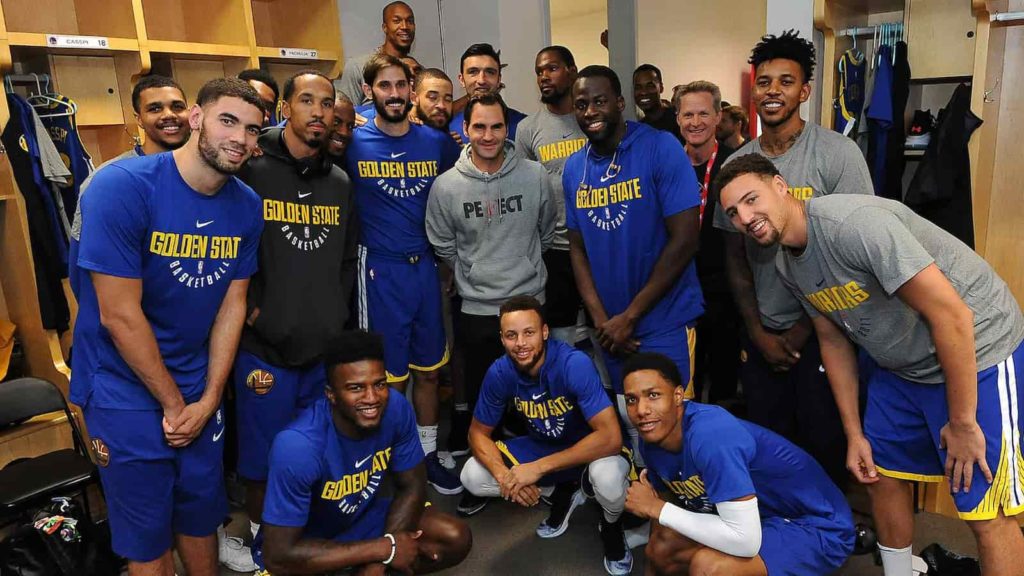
x: 736, y: 530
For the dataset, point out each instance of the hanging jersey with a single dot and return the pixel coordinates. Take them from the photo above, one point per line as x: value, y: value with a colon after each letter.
x: 620, y: 209
x: 557, y: 406
x: 392, y: 178
x: 141, y: 220
x: 64, y: 133
x: 326, y: 482
x: 514, y: 118
x: 851, y: 92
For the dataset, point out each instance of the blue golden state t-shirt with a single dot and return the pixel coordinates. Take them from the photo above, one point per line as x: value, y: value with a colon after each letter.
x: 392, y: 176
x: 324, y: 481
x: 725, y: 458
x: 141, y: 220
x: 620, y: 211
x: 557, y: 405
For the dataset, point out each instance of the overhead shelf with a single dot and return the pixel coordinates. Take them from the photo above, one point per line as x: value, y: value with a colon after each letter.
x: 199, y: 49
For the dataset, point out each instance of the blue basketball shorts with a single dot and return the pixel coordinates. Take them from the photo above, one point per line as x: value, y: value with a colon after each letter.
x: 154, y: 491
x: 903, y: 421
x: 267, y: 398
x: 400, y: 298
x: 679, y: 344
x: 803, y: 546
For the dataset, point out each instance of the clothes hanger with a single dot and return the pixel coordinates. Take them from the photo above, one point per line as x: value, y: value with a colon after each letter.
x: 43, y: 99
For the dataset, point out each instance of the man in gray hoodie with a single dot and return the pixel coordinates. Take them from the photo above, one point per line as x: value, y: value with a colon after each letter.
x: 489, y: 218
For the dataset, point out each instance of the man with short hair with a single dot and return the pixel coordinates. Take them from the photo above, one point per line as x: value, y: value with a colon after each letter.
x: 632, y: 206
x: 490, y: 218
x: 718, y: 341
x: 480, y: 73
x: 647, y: 90
x: 399, y: 26
x: 432, y: 98
x: 733, y: 129
x: 298, y: 301
x: 393, y: 164
x: 550, y: 136
x: 572, y: 432
x: 341, y: 134
x: 324, y: 512
x: 266, y: 86
x: 781, y: 372
x: 945, y: 332
x: 169, y: 242
x: 747, y: 502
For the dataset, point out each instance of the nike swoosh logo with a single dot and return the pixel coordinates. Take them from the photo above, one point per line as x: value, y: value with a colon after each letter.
x: 535, y: 396
x: 819, y: 282
x: 217, y: 436
x: 203, y: 224
x: 397, y: 155
x: 821, y: 369
x: 606, y: 178
x: 565, y: 136
x: 301, y: 195
x: 363, y: 461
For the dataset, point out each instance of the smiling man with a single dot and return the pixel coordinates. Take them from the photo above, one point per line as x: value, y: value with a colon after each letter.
x: 298, y: 301
x: 480, y: 73
x: 168, y: 244
x: 399, y: 26
x: 325, y: 512
x: 780, y: 371
x: 945, y: 332
x: 647, y: 90
x: 741, y: 500
x: 572, y: 432
x: 344, y: 125
x: 393, y: 163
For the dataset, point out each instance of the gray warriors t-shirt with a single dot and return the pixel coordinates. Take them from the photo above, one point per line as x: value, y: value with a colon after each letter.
x: 550, y: 139
x: 351, y: 82
x: 861, y: 249
x: 819, y: 163
x: 76, y: 225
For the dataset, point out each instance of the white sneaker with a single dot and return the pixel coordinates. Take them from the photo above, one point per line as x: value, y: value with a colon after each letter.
x: 233, y: 553
x: 446, y: 458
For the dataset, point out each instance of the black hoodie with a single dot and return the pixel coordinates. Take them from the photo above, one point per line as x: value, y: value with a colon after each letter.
x: 307, y: 256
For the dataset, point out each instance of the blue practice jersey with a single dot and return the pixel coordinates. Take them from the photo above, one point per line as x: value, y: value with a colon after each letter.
x: 324, y: 481
x: 620, y: 211
x: 725, y: 458
x: 514, y: 118
x: 141, y: 220
x: 392, y: 177
x: 557, y: 405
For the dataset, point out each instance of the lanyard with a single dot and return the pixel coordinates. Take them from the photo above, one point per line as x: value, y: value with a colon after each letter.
x: 707, y: 181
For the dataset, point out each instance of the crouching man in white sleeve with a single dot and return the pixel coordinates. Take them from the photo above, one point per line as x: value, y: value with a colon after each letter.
x: 745, y: 501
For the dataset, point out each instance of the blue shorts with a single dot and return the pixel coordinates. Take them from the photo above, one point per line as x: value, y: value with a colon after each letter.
x: 803, y: 546
x: 678, y: 344
x: 903, y: 420
x: 154, y: 491
x: 400, y: 298
x: 267, y: 398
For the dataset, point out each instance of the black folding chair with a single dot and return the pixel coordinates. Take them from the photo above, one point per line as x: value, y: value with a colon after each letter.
x: 31, y: 481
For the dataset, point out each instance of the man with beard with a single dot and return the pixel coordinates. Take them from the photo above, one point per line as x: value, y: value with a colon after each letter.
x: 480, y: 73
x: 572, y: 431
x: 266, y: 87
x: 341, y: 134
x: 745, y: 501
x: 784, y: 383
x: 393, y: 163
x: 732, y: 130
x: 946, y: 334
x: 324, y: 513
x: 550, y: 136
x: 647, y: 90
x: 698, y: 106
x: 298, y: 300
x: 632, y: 207
x: 169, y: 242
x: 399, y: 26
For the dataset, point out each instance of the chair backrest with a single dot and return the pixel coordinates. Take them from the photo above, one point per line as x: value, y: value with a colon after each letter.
x: 24, y: 398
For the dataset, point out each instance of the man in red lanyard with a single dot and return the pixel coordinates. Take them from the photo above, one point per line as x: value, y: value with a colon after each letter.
x: 698, y: 110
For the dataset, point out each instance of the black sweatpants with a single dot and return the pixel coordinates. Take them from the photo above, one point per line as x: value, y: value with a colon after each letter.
x: 479, y: 339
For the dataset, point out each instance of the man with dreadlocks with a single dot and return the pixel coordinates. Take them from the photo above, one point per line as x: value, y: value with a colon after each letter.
x: 781, y: 370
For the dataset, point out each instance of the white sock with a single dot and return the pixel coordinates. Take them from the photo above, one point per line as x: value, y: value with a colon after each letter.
x: 428, y: 438
x: 254, y: 527
x: 896, y: 561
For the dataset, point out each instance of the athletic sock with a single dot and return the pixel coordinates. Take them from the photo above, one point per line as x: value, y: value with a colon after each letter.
x: 428, y: 438
x: 896, y: 561
x: 254, y: 528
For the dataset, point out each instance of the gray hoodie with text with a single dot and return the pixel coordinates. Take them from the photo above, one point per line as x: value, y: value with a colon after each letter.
x: 492, y: 228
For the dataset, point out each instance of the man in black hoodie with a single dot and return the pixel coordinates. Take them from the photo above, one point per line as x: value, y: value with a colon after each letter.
x: 297, y: 302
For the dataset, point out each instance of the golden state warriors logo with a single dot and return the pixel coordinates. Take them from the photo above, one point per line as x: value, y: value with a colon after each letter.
x: 23, y: 143
x: 607, y: 206
x: 351, y: 490
x: 305, y: 226
x: 100, y: 452
x: 259, y: 381
x: 545, y: 415
x: 197, y: 260
x: 692, y: 494
x: 398, y: 177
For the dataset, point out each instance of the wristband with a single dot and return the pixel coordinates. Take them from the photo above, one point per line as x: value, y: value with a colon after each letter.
x: 394, y: 548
